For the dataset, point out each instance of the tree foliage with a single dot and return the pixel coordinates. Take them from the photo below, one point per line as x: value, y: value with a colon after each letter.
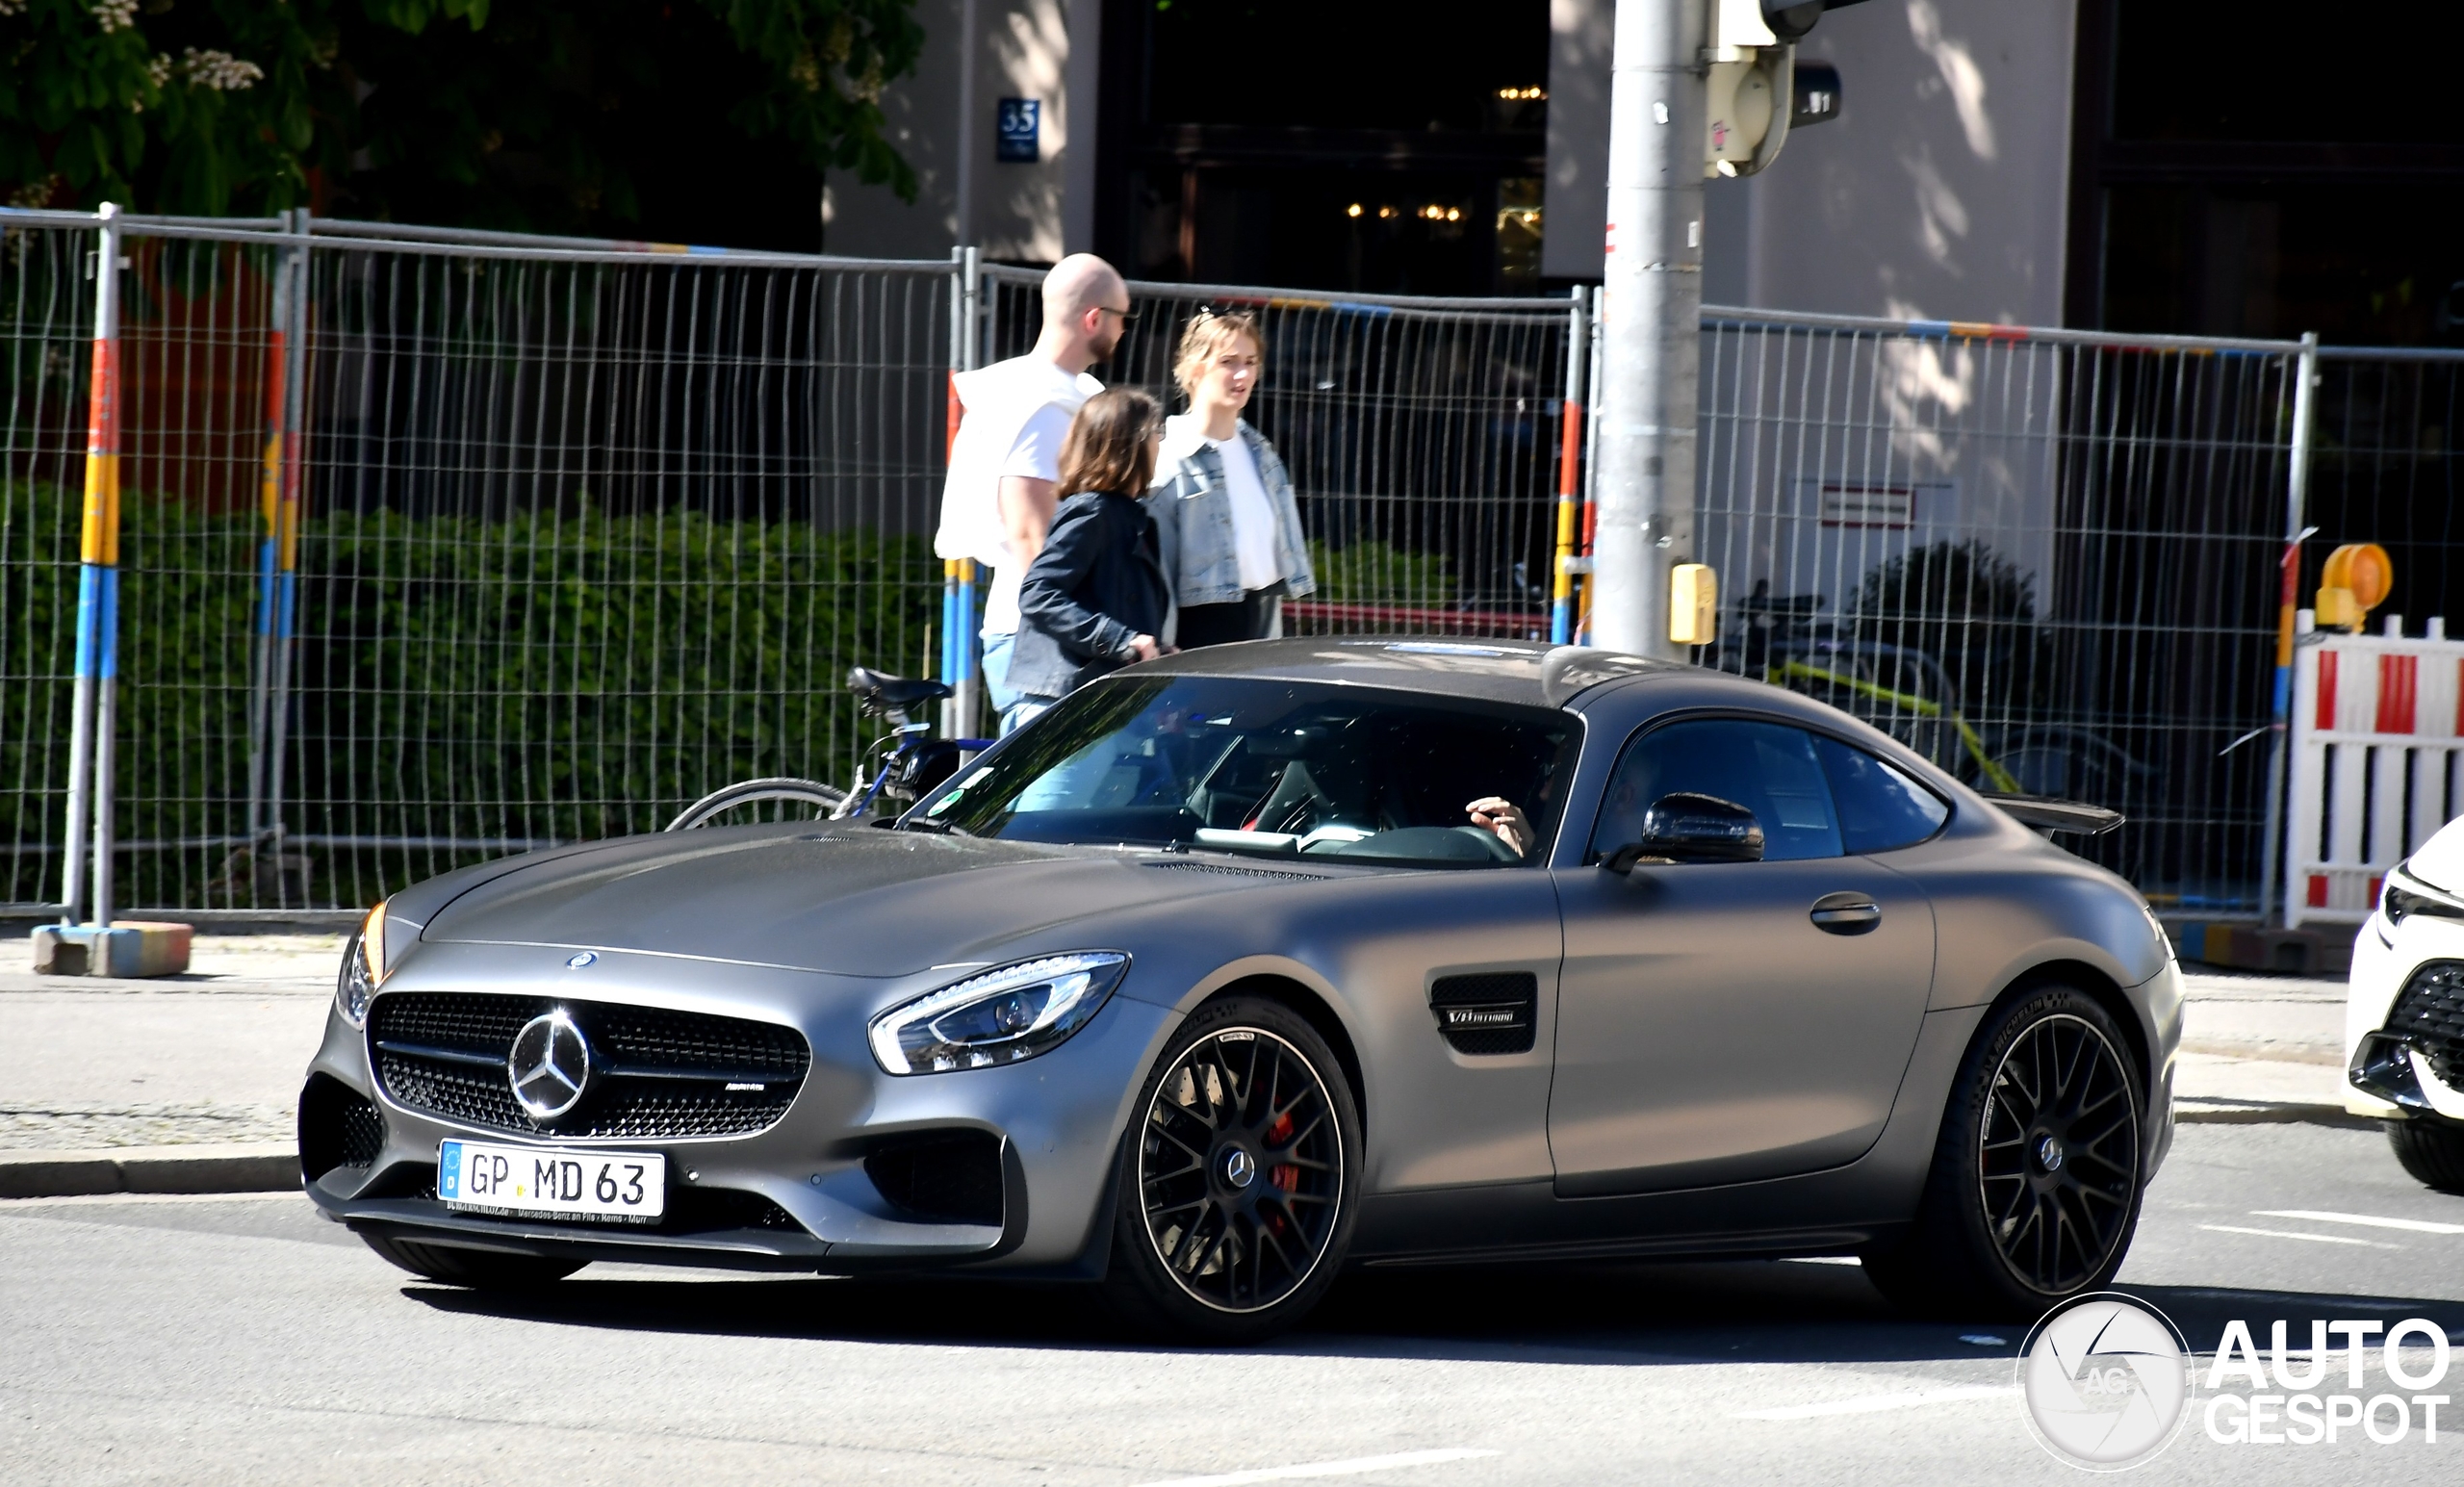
x: 540, y: 115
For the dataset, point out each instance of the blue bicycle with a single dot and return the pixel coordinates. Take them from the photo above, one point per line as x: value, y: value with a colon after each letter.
x: 911, y: 763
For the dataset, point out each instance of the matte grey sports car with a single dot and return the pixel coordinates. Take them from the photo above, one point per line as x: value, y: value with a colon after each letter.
x: 1250, y: 963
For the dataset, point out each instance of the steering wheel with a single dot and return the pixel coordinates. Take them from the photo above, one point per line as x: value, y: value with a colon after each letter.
x: 1495, y: 844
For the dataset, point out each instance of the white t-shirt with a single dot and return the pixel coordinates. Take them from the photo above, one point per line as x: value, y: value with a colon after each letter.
x: 1252, y: 513
x: 1017, y: 414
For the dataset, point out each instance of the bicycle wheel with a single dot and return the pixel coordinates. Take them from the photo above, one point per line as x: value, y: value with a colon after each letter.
x: 747, y: 800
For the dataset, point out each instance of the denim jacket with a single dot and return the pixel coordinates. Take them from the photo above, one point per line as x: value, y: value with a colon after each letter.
x: 1192, y: 512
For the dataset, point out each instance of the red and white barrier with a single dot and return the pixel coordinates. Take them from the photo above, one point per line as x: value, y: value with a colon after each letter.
x: 2376, y: 735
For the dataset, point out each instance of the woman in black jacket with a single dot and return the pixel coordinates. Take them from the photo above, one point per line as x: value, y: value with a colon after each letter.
x: 1095, y: 597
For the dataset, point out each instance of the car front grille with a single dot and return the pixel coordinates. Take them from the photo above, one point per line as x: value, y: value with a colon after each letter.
x: 2431, y: 1014
x: 655, y: 1073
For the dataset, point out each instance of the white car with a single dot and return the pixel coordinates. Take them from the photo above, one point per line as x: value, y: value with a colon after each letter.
x: 2404, y: 1012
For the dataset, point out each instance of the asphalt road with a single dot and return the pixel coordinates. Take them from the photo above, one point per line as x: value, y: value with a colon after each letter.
x: 244, y: 1340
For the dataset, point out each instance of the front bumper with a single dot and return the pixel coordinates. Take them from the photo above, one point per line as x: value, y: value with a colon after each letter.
x: 2385, y: 1075
x: 795, y: 1195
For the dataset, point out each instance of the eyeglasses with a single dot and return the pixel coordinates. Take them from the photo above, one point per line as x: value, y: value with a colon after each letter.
x: 1127, y: 317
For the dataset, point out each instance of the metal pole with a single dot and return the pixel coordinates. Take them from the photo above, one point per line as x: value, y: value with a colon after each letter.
x: 2296, y: 506
x: 286, y: 555
x: 964, y: 644
x: 269, y: 511
x: 1585, y: 591
x: 99, y: 547
x: 1653, y: 301
x: 100, y: 550
x: 1561, y: 590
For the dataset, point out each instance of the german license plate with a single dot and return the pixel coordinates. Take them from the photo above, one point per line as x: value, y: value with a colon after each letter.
x: 618, y: 1187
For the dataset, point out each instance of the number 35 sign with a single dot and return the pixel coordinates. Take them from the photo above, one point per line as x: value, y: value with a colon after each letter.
x: 1021, y: 121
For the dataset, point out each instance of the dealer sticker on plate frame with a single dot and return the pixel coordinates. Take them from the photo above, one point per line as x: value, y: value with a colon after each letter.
x: 628, y: 1187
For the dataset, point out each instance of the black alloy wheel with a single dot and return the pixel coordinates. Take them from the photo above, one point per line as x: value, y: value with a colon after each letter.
x: 2038, y: 1168
x: 2057, y: 1162
x: 1237, y: 1188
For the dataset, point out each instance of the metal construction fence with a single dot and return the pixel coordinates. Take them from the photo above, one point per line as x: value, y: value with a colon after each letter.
x: 428, y: 546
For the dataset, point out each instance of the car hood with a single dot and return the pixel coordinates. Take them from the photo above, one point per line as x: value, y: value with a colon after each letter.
x: 846, y: 899
x: 2440, y: 861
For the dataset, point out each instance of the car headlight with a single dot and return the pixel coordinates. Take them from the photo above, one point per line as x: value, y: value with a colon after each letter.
x: 997, y: 1016
x: 2404, y: 895
x: 362, y: 969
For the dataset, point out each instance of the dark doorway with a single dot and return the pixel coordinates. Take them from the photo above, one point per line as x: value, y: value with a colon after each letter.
x: 1336, y: 145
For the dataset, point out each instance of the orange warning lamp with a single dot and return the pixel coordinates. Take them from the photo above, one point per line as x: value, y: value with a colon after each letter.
x: 2358, y: 580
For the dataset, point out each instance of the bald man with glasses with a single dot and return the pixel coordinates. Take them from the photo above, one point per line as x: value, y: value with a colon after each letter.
x: 1005, y: 466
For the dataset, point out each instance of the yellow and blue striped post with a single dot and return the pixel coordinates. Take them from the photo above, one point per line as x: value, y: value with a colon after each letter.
x: 270, y: 596
x: 1561, y: 586
x: 92, y: 708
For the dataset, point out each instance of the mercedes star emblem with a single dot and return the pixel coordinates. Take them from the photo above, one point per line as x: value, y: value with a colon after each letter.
x: 549, y: 1066
x: 1239, y: 1167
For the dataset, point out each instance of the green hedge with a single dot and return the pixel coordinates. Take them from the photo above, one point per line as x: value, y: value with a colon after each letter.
x: 546, y: 676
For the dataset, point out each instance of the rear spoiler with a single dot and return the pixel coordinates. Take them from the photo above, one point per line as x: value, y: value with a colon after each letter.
x: 2052, y: 816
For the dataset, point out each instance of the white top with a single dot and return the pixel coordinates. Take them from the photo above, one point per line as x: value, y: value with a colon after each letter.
x: 1252, y: 513
x: 1015, y: 416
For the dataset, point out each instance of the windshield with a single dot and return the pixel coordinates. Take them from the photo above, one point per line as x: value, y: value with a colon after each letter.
x: 1276, y: 769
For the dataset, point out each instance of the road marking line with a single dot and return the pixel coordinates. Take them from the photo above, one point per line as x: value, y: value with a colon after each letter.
x: 1875, y: 1403
x: 2290, y: 1234
x: 2365, y: 1220
x: 1358, y: 1464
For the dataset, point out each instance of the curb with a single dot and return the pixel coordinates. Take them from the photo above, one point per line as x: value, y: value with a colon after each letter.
x: 270, y: 1168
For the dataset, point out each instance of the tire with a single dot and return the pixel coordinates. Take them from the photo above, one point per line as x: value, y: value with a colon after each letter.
x: 2431, y: 1151
x: 481, y: 1270
x: 1238, y: 1195
x: 825, y: 798
x: 2039, y: 1171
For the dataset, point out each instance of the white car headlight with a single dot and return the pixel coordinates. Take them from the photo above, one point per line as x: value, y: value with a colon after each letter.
x: 997, y: 1016
x: 362, y: 969
x: 2404, y: 895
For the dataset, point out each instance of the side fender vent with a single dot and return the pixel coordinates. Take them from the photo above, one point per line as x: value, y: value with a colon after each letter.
x: 1493, y: 1012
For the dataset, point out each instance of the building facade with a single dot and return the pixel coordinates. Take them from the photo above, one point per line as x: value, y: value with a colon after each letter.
x: 2124, y: 164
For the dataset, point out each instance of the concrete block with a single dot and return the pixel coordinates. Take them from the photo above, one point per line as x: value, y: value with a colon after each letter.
x: 257, y: 1167
x: 130, y: 948
x: 2250, y: 947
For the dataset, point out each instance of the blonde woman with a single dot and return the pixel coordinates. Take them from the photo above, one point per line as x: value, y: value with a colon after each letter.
x: 1223, y: 506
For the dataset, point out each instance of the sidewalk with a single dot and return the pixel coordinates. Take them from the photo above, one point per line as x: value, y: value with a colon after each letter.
x: 165, y: 1085
x: 2260, y: 1048
x: 145, y: 1085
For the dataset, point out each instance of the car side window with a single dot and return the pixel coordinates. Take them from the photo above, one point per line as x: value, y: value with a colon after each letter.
x: 1880, y: 808
x: 1768, y: 768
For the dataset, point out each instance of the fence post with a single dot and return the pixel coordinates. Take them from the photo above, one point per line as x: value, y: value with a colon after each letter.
x: 1562, y: 583
x: 283, y: 614
x: 270, y: 510
x: 958, y: 602
x: 2272, y: 870
x: 1597, y: 354
x: 90, y: 729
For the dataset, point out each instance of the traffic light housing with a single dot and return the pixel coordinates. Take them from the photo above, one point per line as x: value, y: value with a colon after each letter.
x: 1755, y: 91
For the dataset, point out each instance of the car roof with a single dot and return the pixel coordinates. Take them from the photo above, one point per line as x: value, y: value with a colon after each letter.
x: 1528, y: 672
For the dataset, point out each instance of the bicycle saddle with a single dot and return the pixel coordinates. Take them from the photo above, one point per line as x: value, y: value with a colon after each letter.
x: 879, y: 690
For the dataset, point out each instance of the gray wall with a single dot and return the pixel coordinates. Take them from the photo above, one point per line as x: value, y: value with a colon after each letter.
x: 1016, y: 212
x: 1939, y: 193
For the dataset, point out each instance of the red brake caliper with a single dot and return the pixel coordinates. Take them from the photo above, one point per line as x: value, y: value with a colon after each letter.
x: 1287, y: 1176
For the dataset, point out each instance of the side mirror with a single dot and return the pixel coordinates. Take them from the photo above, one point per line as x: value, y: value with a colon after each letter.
x: 1690, y: 828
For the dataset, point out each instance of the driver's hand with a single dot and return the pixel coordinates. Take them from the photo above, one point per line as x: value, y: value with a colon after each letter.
x: 1502, y: 816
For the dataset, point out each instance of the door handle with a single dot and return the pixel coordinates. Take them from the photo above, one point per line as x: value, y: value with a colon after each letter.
x: 1845, y: 914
